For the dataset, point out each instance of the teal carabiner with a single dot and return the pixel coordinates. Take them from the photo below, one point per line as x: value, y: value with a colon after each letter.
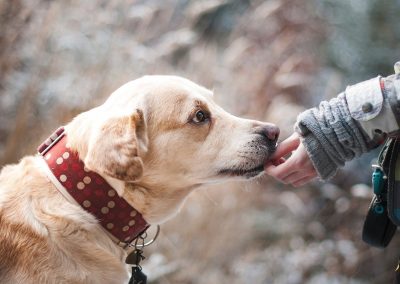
x: 378, y: 181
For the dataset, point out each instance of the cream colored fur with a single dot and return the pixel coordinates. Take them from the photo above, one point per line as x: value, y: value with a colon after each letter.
x: 144, y: 140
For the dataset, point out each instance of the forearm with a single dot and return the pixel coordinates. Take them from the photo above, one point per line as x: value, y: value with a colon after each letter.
x: 351, y: 124
x: 331, y: 136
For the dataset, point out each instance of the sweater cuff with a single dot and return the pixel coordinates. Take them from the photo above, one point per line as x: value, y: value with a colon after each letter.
x: 325, y: 167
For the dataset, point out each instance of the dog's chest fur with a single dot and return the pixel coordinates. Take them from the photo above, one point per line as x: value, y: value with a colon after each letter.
x: 42, y: 231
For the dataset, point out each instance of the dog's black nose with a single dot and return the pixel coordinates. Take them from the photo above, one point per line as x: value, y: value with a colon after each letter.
x: 269, y: 131
x: 272, y: 132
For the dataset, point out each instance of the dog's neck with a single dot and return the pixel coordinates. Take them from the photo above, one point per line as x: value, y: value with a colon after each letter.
x: 146, y: 199
x: 157, y: 204
x: 156, y: 201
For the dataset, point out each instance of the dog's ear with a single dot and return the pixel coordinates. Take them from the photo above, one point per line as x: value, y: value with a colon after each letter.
x: 116, y: 147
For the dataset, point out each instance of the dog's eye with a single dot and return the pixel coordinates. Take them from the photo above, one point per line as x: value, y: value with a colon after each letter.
x: 200, y: 116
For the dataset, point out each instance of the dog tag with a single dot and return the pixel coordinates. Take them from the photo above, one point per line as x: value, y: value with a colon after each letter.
x: 135, y: 257
x: 138, y: 277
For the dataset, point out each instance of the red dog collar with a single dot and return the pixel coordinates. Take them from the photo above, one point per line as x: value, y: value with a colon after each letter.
x: 90, y: 190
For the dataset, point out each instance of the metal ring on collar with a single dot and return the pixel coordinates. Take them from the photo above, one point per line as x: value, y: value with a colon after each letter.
x: 136, y: 245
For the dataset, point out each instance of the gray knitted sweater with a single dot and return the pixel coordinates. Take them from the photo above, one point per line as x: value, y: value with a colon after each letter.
x: 351, y: 124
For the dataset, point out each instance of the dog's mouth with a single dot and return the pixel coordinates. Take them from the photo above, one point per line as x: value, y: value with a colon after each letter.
x: 253, y: 171
x: 271, y: 146
x: 242, y: 172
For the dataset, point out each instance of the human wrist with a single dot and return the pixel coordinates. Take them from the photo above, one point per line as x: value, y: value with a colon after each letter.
x: 331, y: 136
x: 322, y: 163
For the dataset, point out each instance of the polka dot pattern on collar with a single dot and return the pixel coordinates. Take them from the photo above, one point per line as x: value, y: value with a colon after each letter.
x: 92, y: 192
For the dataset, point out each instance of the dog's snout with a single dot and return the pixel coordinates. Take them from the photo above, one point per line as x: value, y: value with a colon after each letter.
x: 270, y: 132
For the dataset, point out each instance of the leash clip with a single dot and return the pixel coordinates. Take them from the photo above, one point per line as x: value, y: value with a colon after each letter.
x: 378, y: 179
x: 375, y: 166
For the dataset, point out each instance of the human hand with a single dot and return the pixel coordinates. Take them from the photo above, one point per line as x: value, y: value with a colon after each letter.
x: 298, y: 169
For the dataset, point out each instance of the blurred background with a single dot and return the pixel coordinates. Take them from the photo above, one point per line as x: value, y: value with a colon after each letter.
x: 266, y: 60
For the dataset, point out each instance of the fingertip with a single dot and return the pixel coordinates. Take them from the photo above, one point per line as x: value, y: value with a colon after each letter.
x: 278, y: 162
x: 286, y: 146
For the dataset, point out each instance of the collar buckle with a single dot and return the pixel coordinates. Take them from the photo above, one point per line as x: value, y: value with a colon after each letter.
x: 51, y: 141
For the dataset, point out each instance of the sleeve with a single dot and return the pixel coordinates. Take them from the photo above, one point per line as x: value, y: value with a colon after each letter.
x: 374, y: 104
x: 351, y: 124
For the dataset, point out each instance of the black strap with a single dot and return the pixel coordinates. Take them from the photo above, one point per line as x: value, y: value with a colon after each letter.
x: 378, y: 229
x: 394, y: 183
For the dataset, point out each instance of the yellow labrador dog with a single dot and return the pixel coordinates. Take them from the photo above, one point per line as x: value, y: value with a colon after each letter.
x: 154, y: 141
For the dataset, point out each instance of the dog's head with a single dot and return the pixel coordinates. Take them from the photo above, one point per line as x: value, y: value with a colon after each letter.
x: 166, y: 131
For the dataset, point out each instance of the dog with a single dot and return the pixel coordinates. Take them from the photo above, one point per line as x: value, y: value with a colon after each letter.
x: 154, y: 141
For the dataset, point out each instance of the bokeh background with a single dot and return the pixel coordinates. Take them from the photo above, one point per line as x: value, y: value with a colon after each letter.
x: 266, y: 60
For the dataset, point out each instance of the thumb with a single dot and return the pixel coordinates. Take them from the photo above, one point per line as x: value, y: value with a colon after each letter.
x: 287, y: 146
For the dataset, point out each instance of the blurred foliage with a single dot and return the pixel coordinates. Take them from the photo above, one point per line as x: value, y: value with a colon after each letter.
x: 267, y: 60
x: 363, y: 38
